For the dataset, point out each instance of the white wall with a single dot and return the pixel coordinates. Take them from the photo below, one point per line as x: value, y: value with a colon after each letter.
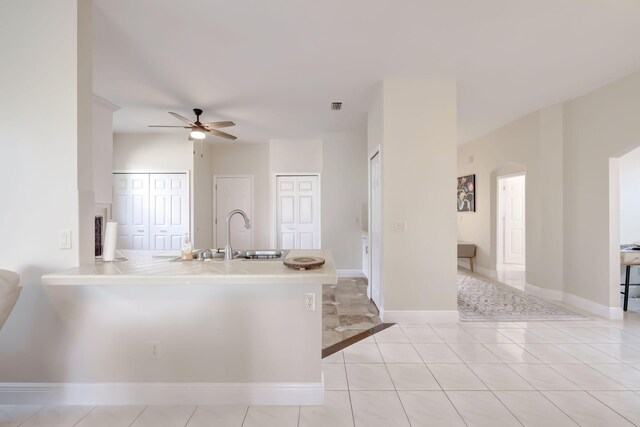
x: 344, y: 190
x: 248, y: 159
x: 418, y: 181
x: 45, y: 172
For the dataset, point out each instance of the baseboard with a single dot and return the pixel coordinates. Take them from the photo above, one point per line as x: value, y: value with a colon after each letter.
x: 539, y: 292
x: 576, y: 301
x: 593, y: 307
x: 162, y: 393
x: 350, y: 273
x: 464, y: 263
x: 420, y: 316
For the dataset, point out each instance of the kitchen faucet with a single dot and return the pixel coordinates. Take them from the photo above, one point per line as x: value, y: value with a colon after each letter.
x: 228, y: 252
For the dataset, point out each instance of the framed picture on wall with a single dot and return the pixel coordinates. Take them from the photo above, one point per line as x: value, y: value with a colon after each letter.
x: 467, y: 193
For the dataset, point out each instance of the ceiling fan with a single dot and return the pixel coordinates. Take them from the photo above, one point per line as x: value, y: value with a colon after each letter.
x: 200, y: 130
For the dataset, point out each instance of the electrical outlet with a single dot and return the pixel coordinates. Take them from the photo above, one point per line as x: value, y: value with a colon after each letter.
x: 155, y: 350
x: 310, y: 302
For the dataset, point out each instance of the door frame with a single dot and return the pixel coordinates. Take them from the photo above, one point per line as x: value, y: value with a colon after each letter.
x: 274, y: 203
x: 376, y: 151
x: 187, y: 172
x: 499, y: 215
x: 215, y: 205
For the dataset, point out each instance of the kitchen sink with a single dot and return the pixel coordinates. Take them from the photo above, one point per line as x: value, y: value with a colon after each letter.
x: 270, y: 254
x: 253, y: 255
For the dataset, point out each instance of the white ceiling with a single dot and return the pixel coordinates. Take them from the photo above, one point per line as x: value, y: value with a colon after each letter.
x: 274, y: 66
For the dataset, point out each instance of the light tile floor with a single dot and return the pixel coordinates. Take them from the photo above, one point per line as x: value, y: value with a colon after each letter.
x: 569, y: 373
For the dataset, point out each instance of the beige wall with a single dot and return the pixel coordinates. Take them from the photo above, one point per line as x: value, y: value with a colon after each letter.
x: 344, y: 190
x: 598, y: 126
x: 419, y: 120
x: 248, y: 159
x: 102, y: 152
x: 295, y: 156
x: 532, y: 144
x: 151, y: 152
x: 202, y: 196
x: 570, y: 153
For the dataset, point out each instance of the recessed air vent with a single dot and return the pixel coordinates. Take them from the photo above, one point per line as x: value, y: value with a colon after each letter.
x: 336, y: 106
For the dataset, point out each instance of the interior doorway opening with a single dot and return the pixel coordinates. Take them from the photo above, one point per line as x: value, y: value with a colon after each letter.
x: 629, y: 229
x: 375, y: 230
x: 511, y: 229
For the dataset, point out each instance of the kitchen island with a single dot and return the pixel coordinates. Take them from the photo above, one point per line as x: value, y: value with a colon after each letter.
x: 150, y: 330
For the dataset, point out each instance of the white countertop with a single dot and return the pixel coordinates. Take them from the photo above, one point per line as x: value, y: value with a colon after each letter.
x: 147, y: 268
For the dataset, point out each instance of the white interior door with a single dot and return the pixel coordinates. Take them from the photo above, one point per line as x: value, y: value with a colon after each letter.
x: 234, y: 193
x: 168, y: 211
x: 298, y: 212
x: 131, y: 210
x: 375, y: 229
x: 514, y: 219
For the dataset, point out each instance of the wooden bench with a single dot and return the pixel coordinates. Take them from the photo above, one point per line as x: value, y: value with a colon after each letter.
x: 467, y: 250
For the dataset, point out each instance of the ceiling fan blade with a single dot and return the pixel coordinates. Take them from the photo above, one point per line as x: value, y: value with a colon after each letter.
x: 221, y: 134
x: 179, y: 117
x: 164, y: 126
x: 217, y: 125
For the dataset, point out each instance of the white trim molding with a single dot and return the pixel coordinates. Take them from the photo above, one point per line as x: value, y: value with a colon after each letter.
x: 593, y: 307
x: 162, y: 393
x: 420, y: 316
x: 464, y: 263
x: 350, y: 273
x: 539, y: 292
x: 576, y: 301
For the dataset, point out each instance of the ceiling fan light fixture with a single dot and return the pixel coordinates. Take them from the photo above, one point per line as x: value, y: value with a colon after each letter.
x: 197, y: 133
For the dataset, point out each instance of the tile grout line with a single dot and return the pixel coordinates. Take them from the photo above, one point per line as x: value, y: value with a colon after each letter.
x: 395, y: 388
x: 559, y: 408
x: 191, y: 416
x: 136, y: 418
x: 604, y: 403
x: 353, y: 415
x: 442, y: 390
x: 84, y: 416
x: 32, y: 415
x: 245, y: 416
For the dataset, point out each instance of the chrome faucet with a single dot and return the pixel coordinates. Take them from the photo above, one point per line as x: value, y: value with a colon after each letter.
x: 228, y: 252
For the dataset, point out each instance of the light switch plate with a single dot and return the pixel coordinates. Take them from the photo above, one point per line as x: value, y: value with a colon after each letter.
x: 399, y: 227
x: 64, y: 239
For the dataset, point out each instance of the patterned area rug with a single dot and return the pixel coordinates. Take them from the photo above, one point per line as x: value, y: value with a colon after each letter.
x: 481, y: 299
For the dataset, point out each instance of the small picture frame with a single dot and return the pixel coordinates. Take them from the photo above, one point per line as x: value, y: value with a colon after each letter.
x: 467, y: 193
